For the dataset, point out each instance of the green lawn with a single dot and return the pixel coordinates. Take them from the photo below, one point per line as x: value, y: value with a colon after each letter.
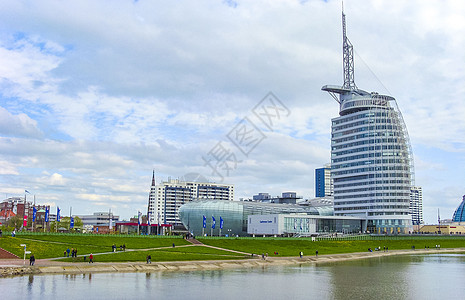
x: 292, y: 247
x: 53, y: 246
x: 46, y: 249
x: 49, y: 246
x: 132, y: 242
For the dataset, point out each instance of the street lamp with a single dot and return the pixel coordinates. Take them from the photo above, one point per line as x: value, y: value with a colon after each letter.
x: 229, y: 232
x: 25, y: 252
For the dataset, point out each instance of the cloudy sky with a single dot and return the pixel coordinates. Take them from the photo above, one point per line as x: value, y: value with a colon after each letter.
x: 94, y: 95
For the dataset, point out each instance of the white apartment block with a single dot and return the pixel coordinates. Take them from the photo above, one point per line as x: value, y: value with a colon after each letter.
x: 416, y: 205
x: 166, y: 198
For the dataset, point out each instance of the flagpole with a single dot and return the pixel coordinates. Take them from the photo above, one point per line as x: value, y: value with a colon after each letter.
x: 32, y: 221
x: 138, y: 222
x: 149, y: 224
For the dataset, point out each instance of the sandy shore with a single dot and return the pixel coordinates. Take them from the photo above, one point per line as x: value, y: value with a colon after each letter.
x: 15, y: 267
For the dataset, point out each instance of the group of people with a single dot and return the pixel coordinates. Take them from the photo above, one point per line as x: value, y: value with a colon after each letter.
x: 121, y: 247
x: 72, y: 251
x: 385, y: 249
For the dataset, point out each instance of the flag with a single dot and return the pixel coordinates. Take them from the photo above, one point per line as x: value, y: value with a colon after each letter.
x: 139, y: 218
x: 213, y: 222
x: 26, y: 191
x: 110, y: 219
x: 58, y: 214
x: 221, y: 223
x: 148, y: 219
x: 301, y: 225
x: 71, y: 222
x: 204, y: 222
x: 47, y: 212
x: 295, y: 223
x: 34, y: 213
x: 25, y: 221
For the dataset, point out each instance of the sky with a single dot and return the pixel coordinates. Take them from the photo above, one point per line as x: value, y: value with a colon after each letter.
x: 95, y: 95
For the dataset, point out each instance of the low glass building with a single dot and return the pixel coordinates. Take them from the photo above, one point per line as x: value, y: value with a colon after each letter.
x: 303, y: 225
x: 232, y: 216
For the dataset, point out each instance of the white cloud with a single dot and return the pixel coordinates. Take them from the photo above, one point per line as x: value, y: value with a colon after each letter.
x: 18, y: 125
x: 94, y: 97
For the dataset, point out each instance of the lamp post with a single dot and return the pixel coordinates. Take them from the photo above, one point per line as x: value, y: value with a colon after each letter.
x: 25, y: 252
x: 229, y: 232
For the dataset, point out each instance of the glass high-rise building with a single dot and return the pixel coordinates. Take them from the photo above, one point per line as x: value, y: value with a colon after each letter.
x: 323, y: 182
x: 371, y: 162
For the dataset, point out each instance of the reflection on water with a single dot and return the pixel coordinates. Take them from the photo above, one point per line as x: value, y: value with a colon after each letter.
x: 398, y: 277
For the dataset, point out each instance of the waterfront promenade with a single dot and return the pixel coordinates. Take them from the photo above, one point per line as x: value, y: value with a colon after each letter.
x: 12, y: 267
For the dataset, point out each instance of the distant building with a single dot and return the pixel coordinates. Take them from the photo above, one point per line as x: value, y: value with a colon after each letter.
x: 235, y: 215
x: 416, y: 205
x: 166, y: 197
x: 323, y: 182
x: 20, y: 207
x: 17, y: 205
x: 131, y: 227
x: 443, y: 229
x: 98, y: 219
x: 286, y: 197
x: 261, y: 197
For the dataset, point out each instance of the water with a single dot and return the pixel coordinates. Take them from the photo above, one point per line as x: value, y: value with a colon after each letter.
x: 399, y: 277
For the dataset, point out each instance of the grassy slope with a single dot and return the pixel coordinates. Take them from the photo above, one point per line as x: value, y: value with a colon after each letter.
x: 167, y: 254
x: 45, y: 249
x: 49, y: 246
x: 292, y: 247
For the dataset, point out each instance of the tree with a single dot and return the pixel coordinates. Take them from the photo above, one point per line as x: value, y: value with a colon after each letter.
x: 15, y: 222
x: 64, y: 222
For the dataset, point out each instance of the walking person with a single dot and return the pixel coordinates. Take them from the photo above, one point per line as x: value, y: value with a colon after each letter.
x: 32, y: 260
x: 67, y: 251
x: 316, y: 253
x: 149, y: 259
x: 91, y: 258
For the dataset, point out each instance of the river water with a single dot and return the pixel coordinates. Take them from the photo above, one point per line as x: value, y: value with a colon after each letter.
x: 440, y: 276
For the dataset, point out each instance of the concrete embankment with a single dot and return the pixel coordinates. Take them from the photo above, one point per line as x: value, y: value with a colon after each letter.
x: 15, y: 267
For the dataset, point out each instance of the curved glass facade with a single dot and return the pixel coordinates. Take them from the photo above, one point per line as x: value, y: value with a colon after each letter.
x: 234, y: 215
x: 371, y: 163
x: 459, y: 214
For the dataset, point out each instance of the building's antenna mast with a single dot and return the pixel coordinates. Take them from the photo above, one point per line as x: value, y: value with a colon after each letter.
x: 348, y: 57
